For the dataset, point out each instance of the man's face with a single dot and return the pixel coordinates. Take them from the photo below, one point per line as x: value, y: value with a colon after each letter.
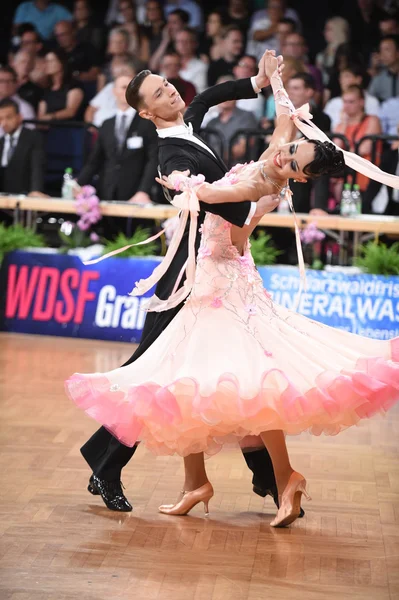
x: 23, y: 64
x: 347, y: 78
x: 283, y: 29
x: 294, y: 46
x: 233, y: 43
x: 154, y: 13
x: 64, y: 34
x: 175, y: 24
x: 30, y: 42
x: 298, y: 92
x: 8, y: 85
x: 246, y: 67
x: 160, y: 99
x: 388, y: 53
x: 185, y: 43
x: 389, y: 27
x: 117, y: 44
x: 10, y: 120
x: 171, y: 66
x: 81, y: 11
x: 120, y: 86
x: 126, y: 10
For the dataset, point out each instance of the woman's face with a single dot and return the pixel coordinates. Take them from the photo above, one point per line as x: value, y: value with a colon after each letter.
x: 289, y: 161
x: 329, y: 32
x: 154, y: 12
x: 353, y: 104
x: 127, y: 11
x: 81, y: 11
x: 53, y: 65
x: 213, y: 25
x: 117, y: 44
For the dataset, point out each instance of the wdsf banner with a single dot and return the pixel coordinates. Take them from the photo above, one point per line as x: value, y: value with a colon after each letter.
x: 53, y: 294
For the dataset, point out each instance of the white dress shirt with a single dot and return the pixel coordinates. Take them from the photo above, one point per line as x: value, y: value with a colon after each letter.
x: 196, y: 71
x: 105, y: 103
x: 7, y: 142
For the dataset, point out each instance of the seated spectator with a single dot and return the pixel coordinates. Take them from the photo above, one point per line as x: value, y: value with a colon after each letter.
x: 82, y: 58
x: 385, y: 85
x: 284, y: 27
x: 32, y: 43
x: 177, y: 20
x: 170, y: 69
x: 291, y: 66
x: 389, y: 24
x: 193, y: 9
x: 87, y: 30
x: 389, y: 116
x: 229, y: 122
x: 296, y: 47
x: 231, y: 51
x: 211, y: 46
x: 123, y: 141
x: 43, y: 14
x: 8, y: 90
x: 346, y: 56
x: 117, y: 50
x: 138, y: 44
x: 355, y: 124
x: 114, y: 15
x: 21, y: 153
x: 351, y: 75
x: 23, y: 64
x: 245, y: 68
x: 103, y: 105
x: 264, y: 27
x: 336, y: 32
x: 237, y: 13
x: 193, y: 68
x: 64, y: 98
x: 153, y: 24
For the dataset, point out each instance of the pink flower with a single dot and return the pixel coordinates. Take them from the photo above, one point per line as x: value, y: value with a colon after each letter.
x: 94, y: 237
x: 311, y: 234
x: 267, y: 353
x: 83, y: 225
x: 251, y: 309
x: 204, y: 251
x: 217, y: 303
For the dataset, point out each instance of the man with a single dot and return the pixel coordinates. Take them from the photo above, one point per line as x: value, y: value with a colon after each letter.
x: 295, y: 46
x: 385, y: 85
x: 8, y: 89
x: 233, y: 42
x: 179, y: 149
x: 170, y: 68
x: 23, y: 64
x: 21, y: 153
x: 193, y: 68
x: 82, y: 58
x: 190, y: 7
x: 284, y: 27
x: 124, y: 155
x: 228, y: 123
x: 351, y: 75
x: 43, y: 14
x: 245, y: 68
x: 177, y: 21
x: 103, y: 106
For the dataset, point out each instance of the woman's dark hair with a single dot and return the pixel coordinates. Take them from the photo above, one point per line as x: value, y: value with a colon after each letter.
x: 62, y: 58
x: 133, y: 97
x: 328, y: 160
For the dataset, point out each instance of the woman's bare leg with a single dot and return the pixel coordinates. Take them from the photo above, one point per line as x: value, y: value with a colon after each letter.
x: 195, y: 473
x: 277, y: 448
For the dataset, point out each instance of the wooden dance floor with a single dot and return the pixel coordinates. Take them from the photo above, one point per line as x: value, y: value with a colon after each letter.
x: 60, y: 543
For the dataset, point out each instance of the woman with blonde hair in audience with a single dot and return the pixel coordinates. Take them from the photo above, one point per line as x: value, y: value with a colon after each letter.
x: 336, y: 32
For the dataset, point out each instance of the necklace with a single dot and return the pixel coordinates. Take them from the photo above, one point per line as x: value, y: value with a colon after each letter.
x: 282, y: 189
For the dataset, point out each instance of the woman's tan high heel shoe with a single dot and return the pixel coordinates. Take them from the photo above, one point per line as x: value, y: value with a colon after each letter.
x: 290, y: 503
x: 189, y: 500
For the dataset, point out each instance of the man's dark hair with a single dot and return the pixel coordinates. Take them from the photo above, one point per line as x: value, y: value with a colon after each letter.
x: 307, y: 78
x: 9, y: 103
x: 132, y: 95
x: 28, y: 28
x: 227, y: 30
x: 328, y: 160
x: 393, y: 38
x: 182, y: 14
x: 288, y: 21
x: 10, y: 70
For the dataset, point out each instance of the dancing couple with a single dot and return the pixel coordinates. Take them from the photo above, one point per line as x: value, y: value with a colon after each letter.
x: 231, y: 364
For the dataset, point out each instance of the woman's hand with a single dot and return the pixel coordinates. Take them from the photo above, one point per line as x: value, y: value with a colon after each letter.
x: 272, y: 63
x: 170, y: 181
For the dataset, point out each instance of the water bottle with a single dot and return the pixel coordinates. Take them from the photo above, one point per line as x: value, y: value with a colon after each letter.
x: 346, y: 201
x: 68, y: 185
x: 357, y: 200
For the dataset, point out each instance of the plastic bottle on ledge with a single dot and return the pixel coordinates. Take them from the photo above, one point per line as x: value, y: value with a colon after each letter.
x: 346, y: 201
x: 68, y: 185
x: 357, y: 200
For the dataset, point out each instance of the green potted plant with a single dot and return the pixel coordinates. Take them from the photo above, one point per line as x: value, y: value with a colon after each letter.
x: 17, y: 237
x: 378, y: 259
x: 263, y: 250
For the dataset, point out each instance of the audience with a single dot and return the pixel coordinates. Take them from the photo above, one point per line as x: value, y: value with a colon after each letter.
x: 232, y: 49
x: 385, y: 85
x: 237, y: 13
x: 177, y: 21
x: 211, y: 47
x: 117, y: 50
x: 247, y: 67
x: 193, y: 68
x: 138, y: 43
x: 87, y: 30
x: 190, y: 7
x: 23, y: 64
x: 295, y: 46
x: 63, y: 100
x: 264, y: 27
x: 171, y: 68
x: 21, y: 153
x: 8, y: 90
x: 336, y: 32
x: 43, y: 14
x: 153, y: 24
x: 82, y: 58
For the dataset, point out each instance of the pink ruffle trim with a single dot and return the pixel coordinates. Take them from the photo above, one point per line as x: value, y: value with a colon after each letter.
x: 177, y: 419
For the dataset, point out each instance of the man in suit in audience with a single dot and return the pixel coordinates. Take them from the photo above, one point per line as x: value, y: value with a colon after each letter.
x: 21, y: 153
x: 125, y: 156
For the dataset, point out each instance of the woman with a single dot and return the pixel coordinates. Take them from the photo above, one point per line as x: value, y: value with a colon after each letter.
x: 138, y: 44
x: 118, y: 48
x: 64, y: 98
x: 336, y: 32
x: 346, y: 55
x: 211, y: 46
x: 87, y: 30
x: 355, y: 124
x: 231, y: 363
x: 153, y: 24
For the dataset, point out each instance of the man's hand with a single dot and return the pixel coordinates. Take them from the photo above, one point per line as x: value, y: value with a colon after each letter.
x: 266, y: 204
x: 261, y: 80
x: 140, y: 198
